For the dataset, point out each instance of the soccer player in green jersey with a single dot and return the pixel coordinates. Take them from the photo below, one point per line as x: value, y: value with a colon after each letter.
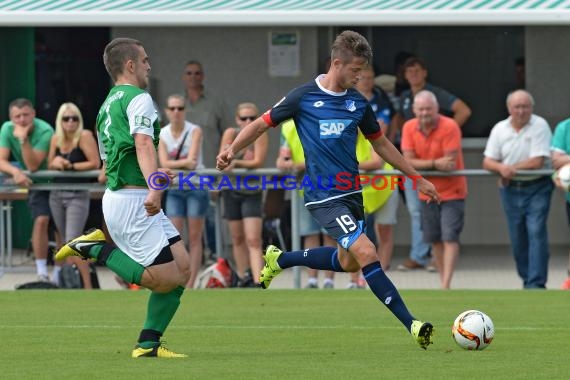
x: 149, y: 250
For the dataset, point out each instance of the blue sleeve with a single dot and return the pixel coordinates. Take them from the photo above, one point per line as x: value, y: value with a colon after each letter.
x: 287, y: 107
x: 368, y: 125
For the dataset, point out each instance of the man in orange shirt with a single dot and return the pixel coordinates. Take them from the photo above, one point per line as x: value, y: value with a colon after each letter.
x: 432, y: 141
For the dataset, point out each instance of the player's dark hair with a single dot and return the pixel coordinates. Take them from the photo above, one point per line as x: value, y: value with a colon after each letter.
x: 20, y: 103
x: 117, y: 52
x: 349, y: 45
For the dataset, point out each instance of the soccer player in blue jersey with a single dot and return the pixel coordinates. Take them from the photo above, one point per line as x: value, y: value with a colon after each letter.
x: 327, y: 112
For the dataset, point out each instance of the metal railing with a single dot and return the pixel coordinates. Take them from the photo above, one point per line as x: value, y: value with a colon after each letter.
x: 5, y: 202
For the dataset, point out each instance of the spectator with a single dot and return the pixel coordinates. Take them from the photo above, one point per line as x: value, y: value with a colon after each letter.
x: 433, y: 142
x: 522, y: 142
x: 292, y: 158
x: 242, y: 208
x: 415, y: 71
x: 205, y: 109
x: 27, y: 138
x: 72, y: 148
x: 561, y: 156
x: 180, y: 148
x: 395, y: 84
x: 212, y: 114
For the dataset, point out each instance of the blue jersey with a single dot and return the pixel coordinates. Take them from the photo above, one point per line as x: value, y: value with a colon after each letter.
x: 327, y: 125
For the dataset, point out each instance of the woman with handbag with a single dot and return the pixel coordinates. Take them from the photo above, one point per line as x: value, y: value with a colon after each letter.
x: 180, y: 149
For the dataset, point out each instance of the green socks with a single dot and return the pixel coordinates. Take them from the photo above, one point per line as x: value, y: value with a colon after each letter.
x: 119, y: 262
x: 161, y: 308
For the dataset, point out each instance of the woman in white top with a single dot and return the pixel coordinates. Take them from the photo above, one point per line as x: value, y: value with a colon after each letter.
x: 180, y: 149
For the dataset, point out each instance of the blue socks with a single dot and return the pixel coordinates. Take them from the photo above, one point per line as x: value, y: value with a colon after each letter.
x: 326, y: 258
x: 387, y: 293
x: 321, y: 258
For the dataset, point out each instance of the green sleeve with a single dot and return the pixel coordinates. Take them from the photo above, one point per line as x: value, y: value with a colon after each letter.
x: 44, y: 139
x: 558, y: 139
x: 6, y: 135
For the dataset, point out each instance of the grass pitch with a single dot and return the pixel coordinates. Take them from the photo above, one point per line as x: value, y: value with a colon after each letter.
x: 281, y: 334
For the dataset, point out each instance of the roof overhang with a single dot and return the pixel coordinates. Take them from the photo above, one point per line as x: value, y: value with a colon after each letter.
x: 282, y: 12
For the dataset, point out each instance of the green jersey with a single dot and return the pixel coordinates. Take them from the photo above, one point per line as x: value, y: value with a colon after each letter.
x: 561, y: 141
x: 126, y: 111
x: 39, y: 140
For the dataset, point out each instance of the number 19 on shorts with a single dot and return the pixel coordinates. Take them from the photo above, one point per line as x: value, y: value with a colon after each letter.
x: 346, y: 223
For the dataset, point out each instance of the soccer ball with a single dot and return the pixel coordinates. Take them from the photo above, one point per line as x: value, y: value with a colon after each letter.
x: 473, y: 330
x: 564, y: 176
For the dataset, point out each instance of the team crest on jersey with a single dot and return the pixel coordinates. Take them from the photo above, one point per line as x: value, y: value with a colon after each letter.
x: 332, y: 129
x: 350, y: 105
x: 142, y: 121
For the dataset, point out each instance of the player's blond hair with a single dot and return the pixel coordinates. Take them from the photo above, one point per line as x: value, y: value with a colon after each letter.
x: 349, y: 45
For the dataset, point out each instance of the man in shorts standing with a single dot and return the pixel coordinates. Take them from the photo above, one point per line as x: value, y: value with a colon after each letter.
x: 432, y: 141
x: 328, y: 113
x: 149, y: 249
x: 26, y: 138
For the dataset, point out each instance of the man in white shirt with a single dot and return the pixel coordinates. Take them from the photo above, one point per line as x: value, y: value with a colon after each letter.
x: 522, y: 142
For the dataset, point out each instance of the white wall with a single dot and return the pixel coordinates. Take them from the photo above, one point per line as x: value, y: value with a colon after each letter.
x: 235, y: 63
x: 547, y: 70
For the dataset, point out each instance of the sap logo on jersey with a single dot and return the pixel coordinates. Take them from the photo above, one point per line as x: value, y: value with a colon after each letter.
x: 332, y: 129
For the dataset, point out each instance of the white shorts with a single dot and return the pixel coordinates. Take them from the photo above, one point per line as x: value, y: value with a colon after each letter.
x: 387, y: 214
x: 140, y: 236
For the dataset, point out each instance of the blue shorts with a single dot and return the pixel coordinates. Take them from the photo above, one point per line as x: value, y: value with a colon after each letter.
x: 187, y: 203
x: 342, y: 218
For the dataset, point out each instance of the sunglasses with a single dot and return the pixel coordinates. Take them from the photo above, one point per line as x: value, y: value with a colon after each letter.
x: 193, y: 73
x: 175, y: 108
x: 245, y: 118
x: 70, y: 118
